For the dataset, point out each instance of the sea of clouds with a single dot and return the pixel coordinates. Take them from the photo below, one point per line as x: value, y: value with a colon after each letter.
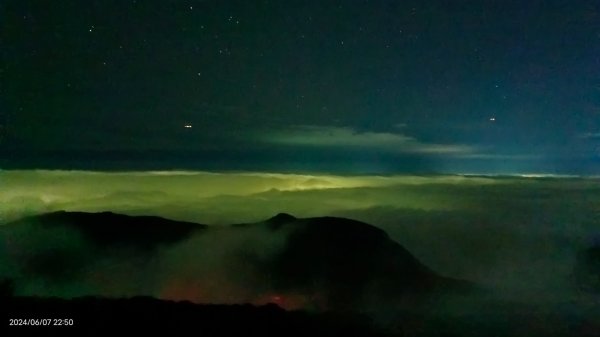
x: 515, y: 234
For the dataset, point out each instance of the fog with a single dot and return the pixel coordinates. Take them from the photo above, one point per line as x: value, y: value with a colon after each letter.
x: 518, y: 235
x: 216, y: 198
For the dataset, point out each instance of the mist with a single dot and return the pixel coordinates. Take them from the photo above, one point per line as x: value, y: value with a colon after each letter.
x: 516, y: 235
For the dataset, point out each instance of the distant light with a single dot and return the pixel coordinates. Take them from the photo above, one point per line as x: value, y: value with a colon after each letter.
x: 493, y: 119
x: 188, y: 126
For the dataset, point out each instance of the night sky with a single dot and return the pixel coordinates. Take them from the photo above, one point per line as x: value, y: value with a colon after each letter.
x: 343, y: 86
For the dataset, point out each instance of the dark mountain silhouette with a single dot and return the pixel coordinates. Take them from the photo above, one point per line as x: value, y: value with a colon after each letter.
x: 105, y: 234
x: 352, y: 262
x: 330, y: 263
x: 279, y: 220
x: 110, y: 229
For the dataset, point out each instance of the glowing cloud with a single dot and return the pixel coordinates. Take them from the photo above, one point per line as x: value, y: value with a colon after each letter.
x: 325, y: 136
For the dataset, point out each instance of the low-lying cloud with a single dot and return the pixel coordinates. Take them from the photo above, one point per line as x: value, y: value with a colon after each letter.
x: 346, y: 137
x: 512, y: 233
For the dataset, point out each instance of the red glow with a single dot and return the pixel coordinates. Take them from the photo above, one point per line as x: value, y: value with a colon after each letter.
x: 183, y: 291
x: 286, y: 301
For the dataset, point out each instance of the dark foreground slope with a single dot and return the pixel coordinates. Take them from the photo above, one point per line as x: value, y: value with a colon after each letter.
x: 144, y: 315
x: 148, y: 316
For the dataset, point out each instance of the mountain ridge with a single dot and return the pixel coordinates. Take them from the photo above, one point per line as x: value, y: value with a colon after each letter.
x: 322, y: 262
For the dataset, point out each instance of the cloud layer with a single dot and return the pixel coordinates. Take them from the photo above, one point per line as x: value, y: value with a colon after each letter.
x: 508, y: 232
x: 326, y: 136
